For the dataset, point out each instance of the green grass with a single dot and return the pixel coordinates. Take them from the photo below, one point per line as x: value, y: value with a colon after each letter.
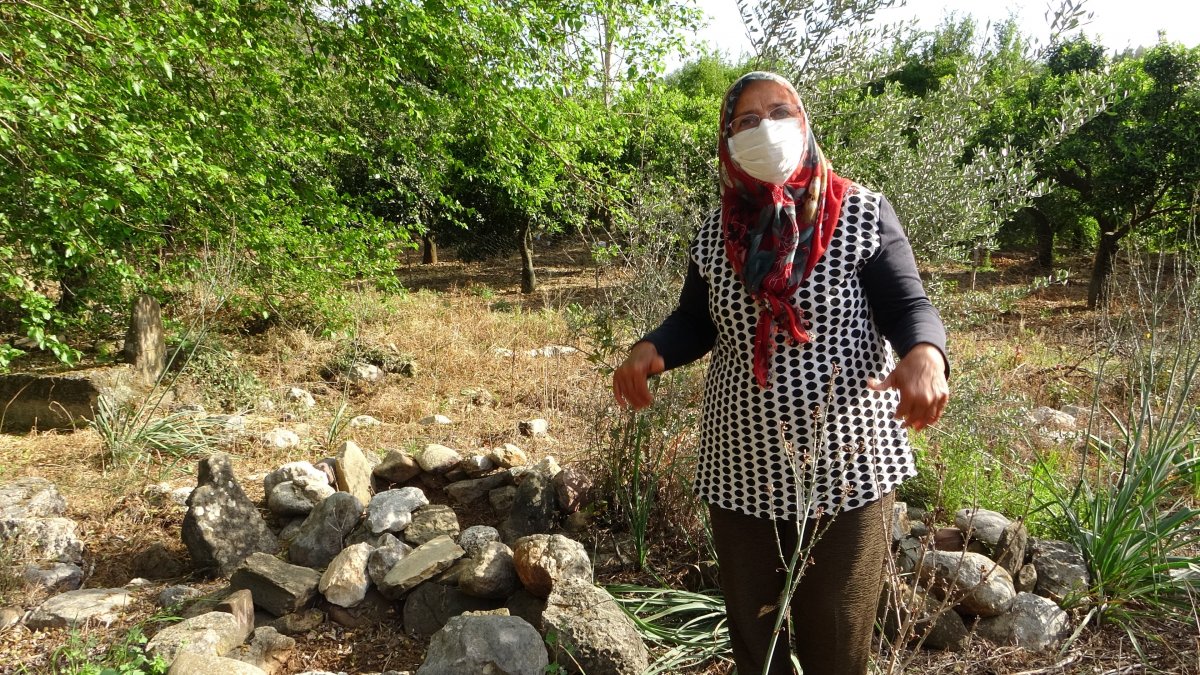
x: 687, y: 629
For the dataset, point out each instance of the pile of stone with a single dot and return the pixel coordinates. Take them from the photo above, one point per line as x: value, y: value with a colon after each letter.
x: 358, y: 542
x: 44, y: 546
x: 984, y: 575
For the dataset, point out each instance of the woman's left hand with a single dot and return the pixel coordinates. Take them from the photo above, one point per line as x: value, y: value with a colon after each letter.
x: 920, y: 377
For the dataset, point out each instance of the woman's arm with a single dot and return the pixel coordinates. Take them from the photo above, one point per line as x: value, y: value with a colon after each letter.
x: 909, y: 321
x: 687, y: 334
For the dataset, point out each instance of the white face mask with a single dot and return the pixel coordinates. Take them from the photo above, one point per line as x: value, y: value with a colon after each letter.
x: 771, y: 151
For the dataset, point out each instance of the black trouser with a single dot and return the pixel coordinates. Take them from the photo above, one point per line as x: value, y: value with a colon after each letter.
x: 833, y: 610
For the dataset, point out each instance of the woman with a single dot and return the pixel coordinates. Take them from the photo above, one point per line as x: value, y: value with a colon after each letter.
x: 798, y: 284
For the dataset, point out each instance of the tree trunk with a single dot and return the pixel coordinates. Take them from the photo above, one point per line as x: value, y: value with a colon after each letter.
x: 428, y: 249
x: 528, y: 278
x: 1102, y: 265
x: 1045, y: 239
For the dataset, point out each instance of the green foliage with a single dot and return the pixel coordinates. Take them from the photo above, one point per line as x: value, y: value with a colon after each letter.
x: 689, y: 628
x: 84, y: 655
x: 135, y: 434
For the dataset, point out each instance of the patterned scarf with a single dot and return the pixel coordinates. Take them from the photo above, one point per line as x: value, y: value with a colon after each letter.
x: 768, y: 227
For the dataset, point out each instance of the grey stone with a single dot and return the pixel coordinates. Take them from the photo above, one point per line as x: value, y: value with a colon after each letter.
x: 322, y: 535
x: 490, y: 573
x: 1010, y: 549
x: 385, y: 557
x: 574, y: 488
x: 973, y: 582
x: 1026, y: 579
x: 508, y: 456
x: 1034, y: 623
x: 476, y: 537
x: 430, y: 605
x: 99, y: 605
x: 280, y: 438
x: 431, y: 522
x: 291, y: 471
x: 353, y: 472
x: 534, y: 508
x: 156, y: 561
x: 365, y: 373
x: 473, y: 490
x: 345, y: 581
x: 41, y: 539
x: 485, y: 644
x: 287, y: 500
x: 298, y: 622
x: 477, y: 465
x: 502, y: 499
x: 9, y: 616
x: 913, y: 615
x: 1049, y: 419
x: 426, y: 561
x: 981, y: 524
x: 301, y: 397
x: 290, y: 530
x: 528, y: 606
x: 397, y: 467
x: 240, y: 605
x: 1061, y: 572
x: 63, y: 401
x: 145, y: 346
x: 188, y: 663
x: 391, y: 510
x: 54, y: 577
x: 213, y: 634
x: 30, y: 498
x: 174, y: 596
x: 277, y: 587
x: 438, y: 459
x: 222, y: 527
x: 364, y: 421
x: 435, y: 420
x: 594, y: 634
x: 533, y: 427
x: 267, y: 650
x: 374, y: 609
x: 545, y: 560
x: 901, y: 526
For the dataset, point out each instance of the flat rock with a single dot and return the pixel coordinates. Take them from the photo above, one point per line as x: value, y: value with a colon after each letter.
x: 426, y: 561
x: 73, y: 608
x: 64, y: 401
x: 475, y: 489
x: 54, y: 577
x: 41, y: 539
x: 431, y: 522
x: 30, y: 498
x: 188, y: 663
x: 1034, y: 623
x: 430, y: 605
x: 391, y: 510
x: 490, y: 573
x: 981, y: 524
x: 277, y: 587
x: 214, y: 634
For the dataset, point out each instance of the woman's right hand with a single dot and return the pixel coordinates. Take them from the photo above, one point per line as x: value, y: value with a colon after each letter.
x: 629, y: 379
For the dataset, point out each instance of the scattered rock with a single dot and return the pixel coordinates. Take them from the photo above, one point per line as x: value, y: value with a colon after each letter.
x: 391, y: 510
x: 322, y: 535
x: 301, y: 397
x: 67, y: 401
x: 1061, y: 571
x: 436, y: 420
x: 280, y: 438
x: 30, y: 498
x: 1034, y: 623
x: 353, y: 472
x: 508, y: 455
x: 365, y: 373
x: 54, y: 577
x: 485, y: 644
x: 345, y: 581
x: 438, y: 459
x: 981, y: 524
x: 533, y: 427
x: 474, y: 538
x: 594, y: 634
x: 364, y: 421
x: 430, y: 605
x: 214, y: 634
x: 973, y: 582
x: 490, y: 573
x: 188, y: 663
x: 1050, y: 419
x: 98, y: 605
x: 267, y: 650
x: 430, y: 522
x: 546, y: 560
x: 222, y: 527
x: 9, y: 616
x: 397, y: 467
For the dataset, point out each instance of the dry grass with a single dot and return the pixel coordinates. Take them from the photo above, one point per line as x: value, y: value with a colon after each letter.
x: 452, y: 323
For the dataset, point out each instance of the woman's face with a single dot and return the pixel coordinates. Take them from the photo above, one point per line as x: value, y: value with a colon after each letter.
x: 762, y: 96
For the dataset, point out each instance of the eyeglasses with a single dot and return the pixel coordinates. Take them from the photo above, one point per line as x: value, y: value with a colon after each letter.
x: 751, y: 120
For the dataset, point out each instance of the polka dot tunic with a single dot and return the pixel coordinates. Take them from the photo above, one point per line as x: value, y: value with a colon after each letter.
x: 818, y: 440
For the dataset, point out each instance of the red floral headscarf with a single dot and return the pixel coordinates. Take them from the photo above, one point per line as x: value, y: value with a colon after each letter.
x: 768, y: 228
